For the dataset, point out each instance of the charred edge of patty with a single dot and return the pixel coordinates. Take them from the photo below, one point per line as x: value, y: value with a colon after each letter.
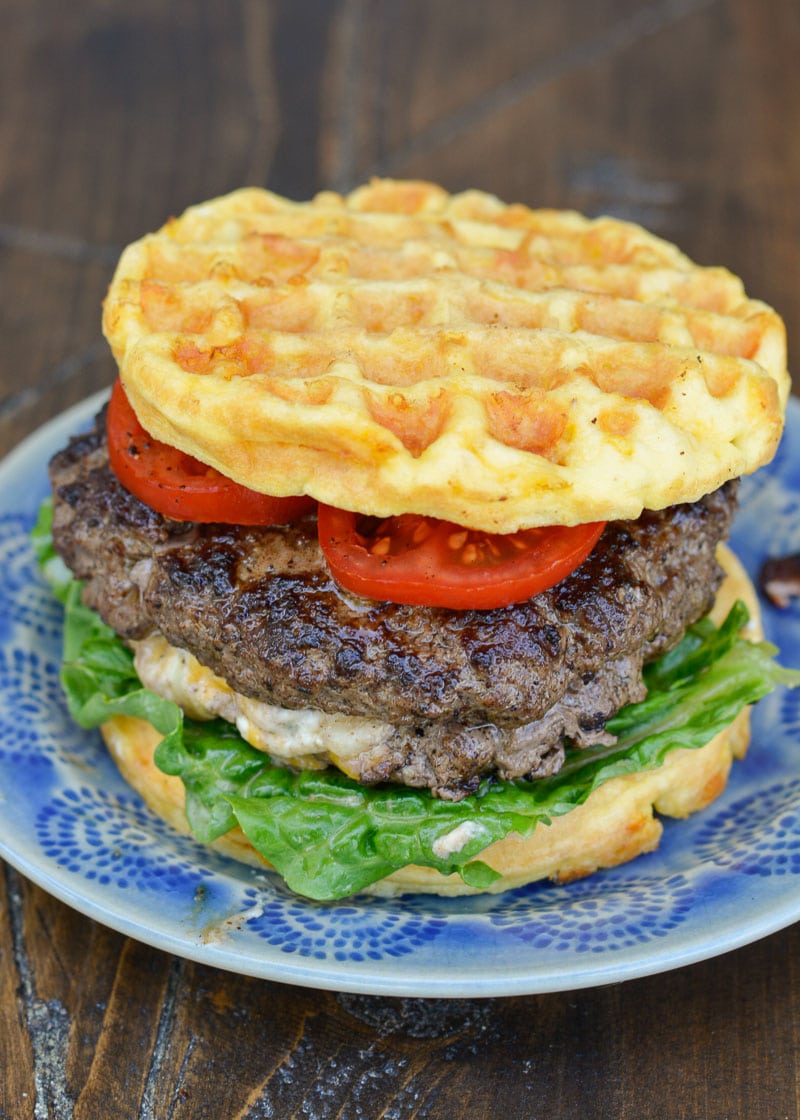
x: 470, y: 693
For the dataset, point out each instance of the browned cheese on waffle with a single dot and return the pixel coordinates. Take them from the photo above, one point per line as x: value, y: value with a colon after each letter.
x: 402, y: 349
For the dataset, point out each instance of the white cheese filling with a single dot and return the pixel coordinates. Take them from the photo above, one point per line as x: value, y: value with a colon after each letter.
x: 308, y: 737
x: 458, y: 839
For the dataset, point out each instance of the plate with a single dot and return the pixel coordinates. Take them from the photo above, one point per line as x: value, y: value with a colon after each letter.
x: 722, y: 879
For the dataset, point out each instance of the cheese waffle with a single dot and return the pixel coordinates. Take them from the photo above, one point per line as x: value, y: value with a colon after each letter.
x: 402, y: 349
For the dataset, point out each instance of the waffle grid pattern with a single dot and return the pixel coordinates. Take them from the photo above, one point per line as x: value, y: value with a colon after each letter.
x: 404, y: 349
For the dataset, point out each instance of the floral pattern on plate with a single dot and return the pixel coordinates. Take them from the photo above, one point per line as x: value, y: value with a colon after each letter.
x: 69, y: 822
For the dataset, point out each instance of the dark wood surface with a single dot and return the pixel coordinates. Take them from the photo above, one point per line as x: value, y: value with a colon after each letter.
x: 682, y: 114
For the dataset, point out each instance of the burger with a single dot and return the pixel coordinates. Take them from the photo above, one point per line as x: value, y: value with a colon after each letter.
x: 396, y: 560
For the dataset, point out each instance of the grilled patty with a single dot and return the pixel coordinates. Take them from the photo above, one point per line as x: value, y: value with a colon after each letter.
x: 468, y: 692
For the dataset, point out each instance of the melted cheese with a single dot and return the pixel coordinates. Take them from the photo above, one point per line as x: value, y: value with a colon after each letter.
x: 308, y: 738
x: 458, y: 839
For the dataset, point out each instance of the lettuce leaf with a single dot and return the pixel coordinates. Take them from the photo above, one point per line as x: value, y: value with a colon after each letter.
x: 328, y: 836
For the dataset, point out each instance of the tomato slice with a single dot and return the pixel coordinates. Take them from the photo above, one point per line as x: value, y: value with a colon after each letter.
x: 180, y: 486
x: 426, y: 562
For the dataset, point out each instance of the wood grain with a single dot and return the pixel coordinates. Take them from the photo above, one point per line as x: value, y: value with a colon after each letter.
x: 115, y: 1029
x: 682, y: 114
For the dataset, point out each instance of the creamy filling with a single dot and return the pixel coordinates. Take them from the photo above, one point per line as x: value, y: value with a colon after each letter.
x: 308, y: 738
x: 454, y: 841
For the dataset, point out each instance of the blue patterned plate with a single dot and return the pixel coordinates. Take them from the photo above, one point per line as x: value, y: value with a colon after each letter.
x: 720, y: 880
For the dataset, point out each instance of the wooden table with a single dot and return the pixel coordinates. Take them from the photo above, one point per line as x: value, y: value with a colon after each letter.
x: 683, y: 114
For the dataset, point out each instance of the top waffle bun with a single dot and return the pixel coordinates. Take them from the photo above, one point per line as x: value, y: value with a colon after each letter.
x: 402, y: 349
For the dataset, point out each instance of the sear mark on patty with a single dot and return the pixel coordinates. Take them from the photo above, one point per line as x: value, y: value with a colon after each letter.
x: 493, y: 691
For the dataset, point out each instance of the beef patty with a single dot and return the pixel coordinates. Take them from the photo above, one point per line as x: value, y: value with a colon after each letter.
x: 468, y: 692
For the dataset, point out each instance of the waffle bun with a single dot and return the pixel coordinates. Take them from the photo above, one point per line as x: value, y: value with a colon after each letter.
x: 402, y: 349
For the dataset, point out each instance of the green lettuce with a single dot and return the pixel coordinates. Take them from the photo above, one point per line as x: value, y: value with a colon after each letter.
x: 330, y: 837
